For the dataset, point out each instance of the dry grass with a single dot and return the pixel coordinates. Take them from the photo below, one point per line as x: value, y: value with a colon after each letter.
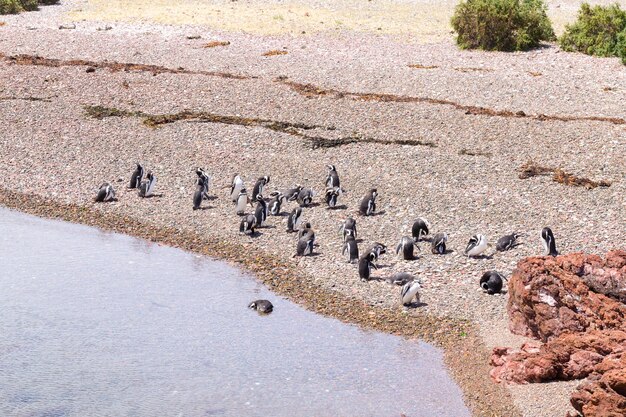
x: 535, y: 74
x: 214, y: 44
x: 532, y: 169
x: 274, y: 52
x: 420, y: 66
x: 3, y: 23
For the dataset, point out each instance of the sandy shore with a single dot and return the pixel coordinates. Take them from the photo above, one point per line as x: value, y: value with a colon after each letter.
x: 444, y: 142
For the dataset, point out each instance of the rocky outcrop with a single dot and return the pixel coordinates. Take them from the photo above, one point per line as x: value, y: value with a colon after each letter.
x: 574, y: 293
x: 574, y: 305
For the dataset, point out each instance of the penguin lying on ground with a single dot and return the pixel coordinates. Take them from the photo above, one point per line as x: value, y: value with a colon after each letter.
x: 491, y: 282
x: 476, y: 245
x: 261, y: 306
x: 106, y: 193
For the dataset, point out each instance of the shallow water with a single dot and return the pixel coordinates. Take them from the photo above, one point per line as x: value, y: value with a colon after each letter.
x: 100, y: 324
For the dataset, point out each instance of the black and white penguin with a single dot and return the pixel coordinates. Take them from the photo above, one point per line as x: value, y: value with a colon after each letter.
x: 248, y: 224
x: 305, y: 197
x: 294, y: 220
x: 420, y: 228
x: 106, y: 193
x: 549, y: 244
x: 305, y: 244
x: 491, y: 281
x: 406, y: 246
x: 348, y: 228
x: 261, y: 306
x: 235, y: 188
x: 410, y: 291
x: 332, y: 180
x: 291, y: 194
x: 261, y: 210
x: 305, y: 229
x: 438, y: 244
x: 202, y: 188
x: 507, y: 242
x: 368, y: 204
x: 258, y: 187
x: 366, y: 263
x: 147, y: 186
x: 332, y: 195
x: 242, y: 201
x: 378, y: 249
x: 351, y: 248
x: 400, y: 278
x: 275, y: 204
x: 135, y: 179
x: 476, y: 245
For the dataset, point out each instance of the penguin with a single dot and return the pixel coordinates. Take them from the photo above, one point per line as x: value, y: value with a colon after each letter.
x: 305, y: 197
x: 202, y: 188
x: 491, y: 281
x: 348, y: 228
x: 476, y: 245
x: 366, y: 263
x: 507, y: 242
x: 378, y: 249
x: 305, y: 244
x: 406, y: 245
x: 332, y: 180
x: 549, y: 244
x: 147, y: 186
x: 276, y: 203
x: 400, y: 278
x: 135, y: 179
x: 291, y: 194
x: 351, y: 248
x: 261, y: 211
x: 368, y: 204
x: 410, y: 291
x: 261, y: 306
x: 242, y: 201
x: 106, y: 193
x: 235, y: 188
x: 258, y: 187
x: 332, y: 195
x: 248, y: 224
x: 420, y: 228
x: 294, y: 219
x: 438, y: 244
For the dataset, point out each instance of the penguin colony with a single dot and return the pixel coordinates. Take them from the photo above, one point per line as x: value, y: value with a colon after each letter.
x: 491, y: 281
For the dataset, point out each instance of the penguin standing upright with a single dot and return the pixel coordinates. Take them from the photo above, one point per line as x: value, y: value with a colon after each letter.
x: 242, y: 201
x: 332, y: 195
x: 202, y: 188
x: 410, y: 291
x: 235, y: 188
x: 294, y: 219
x: 366, y: 263
x: 420, y: 228
x: 491, y: 281
x: 348, y: 228
x: 106, y: 193
x: 476, y: 245
x: 332, y: 180
x: 438, y: 243
x: 406, y: 246
x: 261, y: 210
x: 507, y: 242
x: 305, y: 244
x: 276, y: 203
x: 305, y: 197
x: 368, y: 204
x: 351, y: 248
x: 305, y: 229
x: 258, y: 187
x: 549, y: 243
x: 248, y: 224
x: 135, y: 179
x: 147, y: 186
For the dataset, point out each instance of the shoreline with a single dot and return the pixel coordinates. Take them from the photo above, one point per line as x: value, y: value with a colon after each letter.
x: 465, y: 356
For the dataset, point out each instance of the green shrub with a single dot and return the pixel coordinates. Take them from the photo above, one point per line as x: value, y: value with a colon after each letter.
x: 599, y: 30
x: 18, y: 6
x: 502, y: 25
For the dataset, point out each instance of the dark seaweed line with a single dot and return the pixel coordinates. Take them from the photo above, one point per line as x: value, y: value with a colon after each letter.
x: 290, y: 128
x: 35, y: 60
x: 310, y: 90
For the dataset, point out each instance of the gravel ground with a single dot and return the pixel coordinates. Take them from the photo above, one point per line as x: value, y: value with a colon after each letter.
x: 51, y: 148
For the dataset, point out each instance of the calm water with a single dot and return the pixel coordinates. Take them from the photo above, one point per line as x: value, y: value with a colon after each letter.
x: 100, y: 324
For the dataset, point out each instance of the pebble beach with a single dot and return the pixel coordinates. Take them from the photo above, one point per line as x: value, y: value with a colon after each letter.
x: 441, y: 133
